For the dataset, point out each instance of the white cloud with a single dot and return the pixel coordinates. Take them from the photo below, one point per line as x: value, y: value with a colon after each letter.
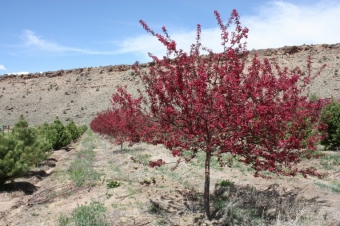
x: 279, y: 23
x: 19, y: 73
x: 145, y: 43
x: 31, y: 40
x: 2, y: 67
x: 276, y: 24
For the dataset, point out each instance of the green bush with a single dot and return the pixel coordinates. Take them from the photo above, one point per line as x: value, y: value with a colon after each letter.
x: 59, y: 135
x: 63, y: 136
x: 20, y: 150
x: 330, y: 115
x: 74, y: 130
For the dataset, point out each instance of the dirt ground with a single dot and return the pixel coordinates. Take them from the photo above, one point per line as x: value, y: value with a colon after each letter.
x: 159, y: 196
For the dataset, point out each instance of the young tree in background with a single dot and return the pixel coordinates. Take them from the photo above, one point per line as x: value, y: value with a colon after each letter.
x: 211, y: 103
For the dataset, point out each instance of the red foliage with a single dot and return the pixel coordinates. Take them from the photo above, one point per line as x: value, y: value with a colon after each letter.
x: 125, y: 122
x: 158, y: 163
x: 212, y: 103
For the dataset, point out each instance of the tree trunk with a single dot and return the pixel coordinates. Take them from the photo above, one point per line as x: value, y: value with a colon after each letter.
x: 206, y: 185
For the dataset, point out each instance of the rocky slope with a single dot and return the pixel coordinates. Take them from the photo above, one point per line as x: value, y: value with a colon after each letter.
x: 79, y: 94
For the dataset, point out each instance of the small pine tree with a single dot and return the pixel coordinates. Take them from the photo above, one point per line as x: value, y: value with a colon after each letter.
x: 73, y: 129
x: 21, y: 149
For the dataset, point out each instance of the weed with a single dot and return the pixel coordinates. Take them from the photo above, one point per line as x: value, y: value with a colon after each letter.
x: 146, y: 182
x: 97, y: 89
x: 113, y: 184
x: 67, y: 93
x: 91, y: 215
x: 153, y: 180
x: 34, y: 214
x: 226, y: 183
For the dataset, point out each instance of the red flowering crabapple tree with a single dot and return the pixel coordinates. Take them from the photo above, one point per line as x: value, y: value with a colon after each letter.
x: 213, y: 104
x: 120, y: 121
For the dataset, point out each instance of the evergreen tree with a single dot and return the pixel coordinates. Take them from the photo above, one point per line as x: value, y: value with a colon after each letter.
x: 63, y: 136
x: 74, y: 131
x: 21, y: 149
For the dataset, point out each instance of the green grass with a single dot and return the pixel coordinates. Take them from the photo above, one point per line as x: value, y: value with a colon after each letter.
x: 81, y: 169
x: 90, y: 215
x: 330, y: 160
x: 334, y: 186
x: 143, y: 158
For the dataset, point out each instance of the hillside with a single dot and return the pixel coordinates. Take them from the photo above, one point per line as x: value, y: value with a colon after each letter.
x: 79, y: 94
x: 95, y: 182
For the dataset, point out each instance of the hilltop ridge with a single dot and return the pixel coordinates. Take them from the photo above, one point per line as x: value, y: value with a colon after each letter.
x: 80, y: 93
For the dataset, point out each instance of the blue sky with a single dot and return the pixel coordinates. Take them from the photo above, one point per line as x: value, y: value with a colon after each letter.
x: 49, y: 35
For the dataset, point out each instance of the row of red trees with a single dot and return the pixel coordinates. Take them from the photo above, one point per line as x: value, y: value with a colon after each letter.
x: 214, y: 104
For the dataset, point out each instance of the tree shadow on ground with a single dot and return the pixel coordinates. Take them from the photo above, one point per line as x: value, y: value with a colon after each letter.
x: 23, y: 186
x: 28, y: 187
x: 246, y: 205
x: 236, y: 205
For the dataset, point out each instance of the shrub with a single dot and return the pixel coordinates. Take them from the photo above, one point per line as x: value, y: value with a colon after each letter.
x: 74, y: 131
x: 113, y: 184
x: 59, y: 135
x: 330, y: 115
x: 20, y: 150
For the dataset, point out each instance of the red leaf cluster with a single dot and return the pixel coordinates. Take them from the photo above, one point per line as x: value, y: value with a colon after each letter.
x: 157, y: 163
